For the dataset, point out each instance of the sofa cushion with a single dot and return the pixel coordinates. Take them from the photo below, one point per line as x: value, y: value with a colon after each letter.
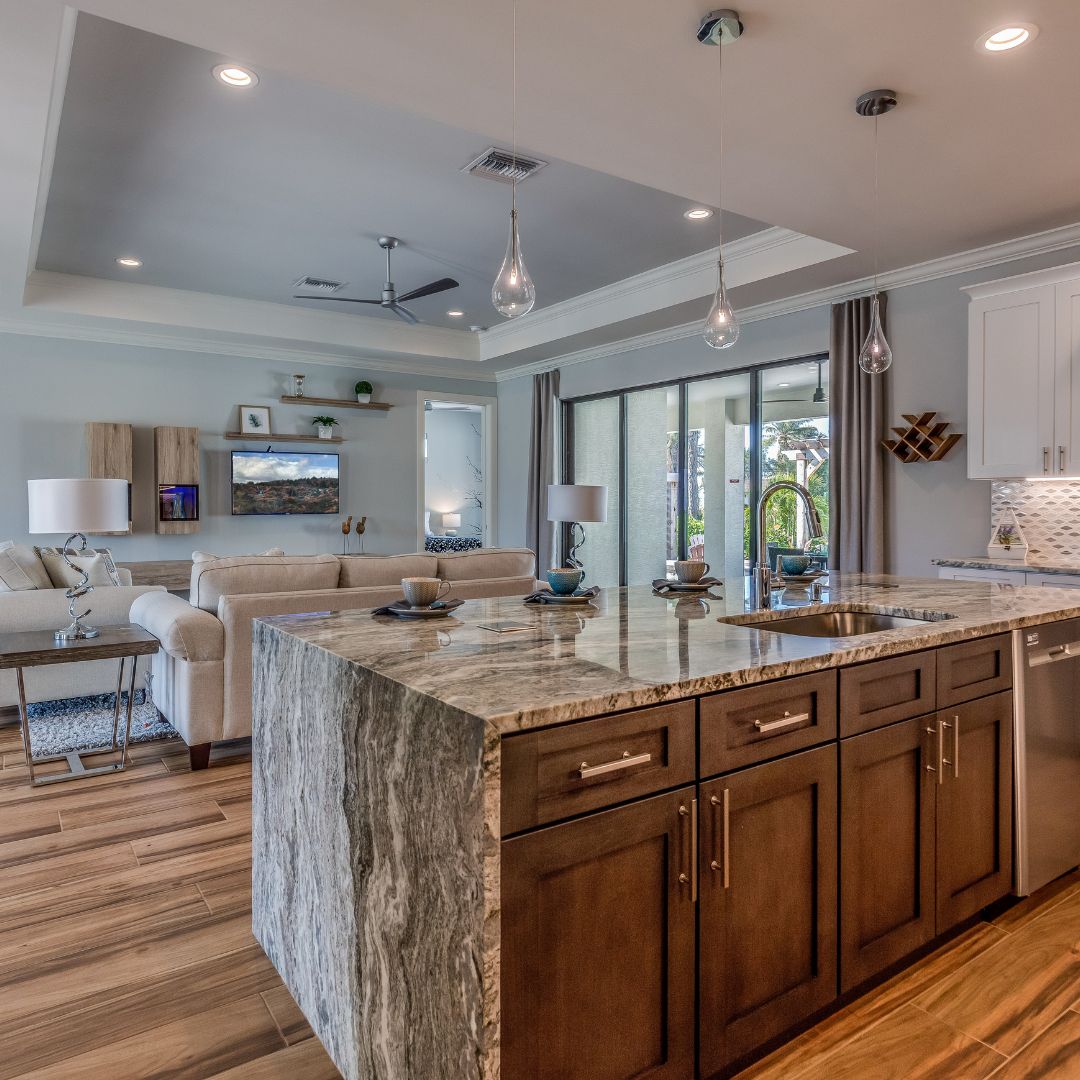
x: 366, y: 571
x: 209, y: 556
x: 19, y: 565
x: 487, y: 563
x: 247, y: 574
x: 98, y: 564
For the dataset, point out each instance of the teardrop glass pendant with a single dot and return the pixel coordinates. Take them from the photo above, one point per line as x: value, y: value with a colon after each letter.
x: 721, y: 326
x: 513, y: 293
x: 875, y: 356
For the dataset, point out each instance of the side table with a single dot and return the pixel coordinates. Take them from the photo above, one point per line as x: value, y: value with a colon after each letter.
x: 37, y: 648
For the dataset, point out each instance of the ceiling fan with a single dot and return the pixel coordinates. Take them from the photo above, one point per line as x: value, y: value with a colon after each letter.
x: 390, y: 298
x: 818, y: 398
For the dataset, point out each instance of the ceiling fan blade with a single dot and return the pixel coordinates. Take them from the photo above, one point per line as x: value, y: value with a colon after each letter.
x: 338, y: 299
x: 431, y: 288
x: 403, y: 312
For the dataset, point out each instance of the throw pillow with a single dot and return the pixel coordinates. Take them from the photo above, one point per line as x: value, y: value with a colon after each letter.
x: 209, y: 556
x: 22, y: 565
x: 98, y: 564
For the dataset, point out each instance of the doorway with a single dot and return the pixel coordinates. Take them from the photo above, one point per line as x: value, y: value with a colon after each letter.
x: 456, y: 471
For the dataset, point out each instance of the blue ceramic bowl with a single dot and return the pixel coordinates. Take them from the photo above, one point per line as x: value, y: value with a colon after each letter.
x: 795, y: 564
x: 564, y: 580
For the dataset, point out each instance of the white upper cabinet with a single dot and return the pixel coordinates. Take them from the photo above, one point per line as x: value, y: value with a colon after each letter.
x: 1024, y: 376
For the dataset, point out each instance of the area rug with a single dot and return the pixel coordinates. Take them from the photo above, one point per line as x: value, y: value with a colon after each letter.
x: 85, y: 723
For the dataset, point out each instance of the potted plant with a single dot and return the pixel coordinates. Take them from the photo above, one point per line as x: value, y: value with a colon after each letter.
x: 326, y: 426
x: 363, y: 391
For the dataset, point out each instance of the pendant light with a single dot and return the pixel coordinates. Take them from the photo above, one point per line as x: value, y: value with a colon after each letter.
x: 513, y: 292
x: 721, y: 324
x: 875, y: 356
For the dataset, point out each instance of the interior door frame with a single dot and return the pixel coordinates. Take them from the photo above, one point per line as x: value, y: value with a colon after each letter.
x: 490, y: 409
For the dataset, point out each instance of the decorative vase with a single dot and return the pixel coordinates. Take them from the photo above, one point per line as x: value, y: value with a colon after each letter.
x: 326, y: 431
x: 298, y: 385
x: 363, y: 399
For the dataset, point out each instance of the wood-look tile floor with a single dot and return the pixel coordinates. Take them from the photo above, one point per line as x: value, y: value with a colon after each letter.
x: 126, y: 952
x: 125, y: 928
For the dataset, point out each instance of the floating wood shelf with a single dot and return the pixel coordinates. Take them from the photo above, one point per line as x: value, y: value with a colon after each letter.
x: 924, y: 439
x: 344, y: 403
x: 268, y: 438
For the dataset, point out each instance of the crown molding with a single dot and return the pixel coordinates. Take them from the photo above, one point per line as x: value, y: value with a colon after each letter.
x: 760, y: 255
x: 979, y: 258
x: 113, y: 335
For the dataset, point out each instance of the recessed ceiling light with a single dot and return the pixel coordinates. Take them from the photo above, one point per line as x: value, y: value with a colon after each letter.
x: 1007, y: 37
x: 783, y: 385
x: 455, y: 314
x: 235, y: 75
x: 697, y: 213
x: 129, y: 262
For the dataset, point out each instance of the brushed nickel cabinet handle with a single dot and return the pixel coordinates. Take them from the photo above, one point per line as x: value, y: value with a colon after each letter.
x: 724, y: 863
x: 942, y: 760
x: 585, y: 771
x: 1061, y: 459
x: 786, y: 721
x: 929, y: 767
x: 693, y: 851
x: 956, y: 747
x: 684, y: 877
x: 1046, y: 459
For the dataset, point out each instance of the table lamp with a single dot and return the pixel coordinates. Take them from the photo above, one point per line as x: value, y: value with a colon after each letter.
x: 75, y: 507
x: 573, y: 504
x: 451, y: 523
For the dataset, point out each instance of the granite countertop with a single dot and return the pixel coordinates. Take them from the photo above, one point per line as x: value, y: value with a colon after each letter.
x: 632, y: 648
x: 1036, y: 564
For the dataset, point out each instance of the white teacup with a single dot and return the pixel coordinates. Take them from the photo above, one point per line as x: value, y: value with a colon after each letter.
x: 423, y: 591
x: 689, y: 571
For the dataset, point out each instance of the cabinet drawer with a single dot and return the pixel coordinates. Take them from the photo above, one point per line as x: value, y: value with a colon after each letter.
x: 741, y: 727
x: 885, y: 691
x: 973, y: 669
x: 556, y: 773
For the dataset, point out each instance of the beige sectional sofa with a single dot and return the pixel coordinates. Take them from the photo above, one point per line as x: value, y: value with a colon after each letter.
x: 202, y: 673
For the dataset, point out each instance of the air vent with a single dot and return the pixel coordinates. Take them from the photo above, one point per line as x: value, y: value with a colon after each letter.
x: 318, y: 284
x: 502, y: 165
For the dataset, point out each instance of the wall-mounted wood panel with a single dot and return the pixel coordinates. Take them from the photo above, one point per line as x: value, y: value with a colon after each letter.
x: 109, y: 457
x: 176, y: 461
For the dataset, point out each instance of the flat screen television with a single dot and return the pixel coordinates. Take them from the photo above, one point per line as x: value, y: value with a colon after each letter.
x: 271, y: 482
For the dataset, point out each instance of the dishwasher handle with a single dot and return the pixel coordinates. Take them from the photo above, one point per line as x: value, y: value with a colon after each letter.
x: 1069, y: 651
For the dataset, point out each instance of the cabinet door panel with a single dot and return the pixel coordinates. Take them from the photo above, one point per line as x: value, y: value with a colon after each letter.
x: 882, y: 692
x: 974, y: 814
x: 1011, y: 385
x: 887, y: 830
x: 598, y: 947
x: 767, y: 952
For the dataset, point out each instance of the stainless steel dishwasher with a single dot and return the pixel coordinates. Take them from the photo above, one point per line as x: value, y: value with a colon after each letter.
x: 1046, y: 666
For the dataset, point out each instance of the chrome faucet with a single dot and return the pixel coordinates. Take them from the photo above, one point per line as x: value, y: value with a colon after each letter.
x: 762, y: 572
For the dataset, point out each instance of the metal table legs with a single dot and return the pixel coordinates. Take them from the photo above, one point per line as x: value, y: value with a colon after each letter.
x: 76, y: 768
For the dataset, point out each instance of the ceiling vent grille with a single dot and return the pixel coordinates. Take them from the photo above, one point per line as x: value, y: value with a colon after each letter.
x: 318, y: 285
x: 504, y: 166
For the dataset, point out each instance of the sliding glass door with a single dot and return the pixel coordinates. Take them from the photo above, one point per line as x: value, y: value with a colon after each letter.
x: 685, y: 463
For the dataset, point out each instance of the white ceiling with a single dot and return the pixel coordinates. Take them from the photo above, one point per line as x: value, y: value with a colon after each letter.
x: 979, y: 151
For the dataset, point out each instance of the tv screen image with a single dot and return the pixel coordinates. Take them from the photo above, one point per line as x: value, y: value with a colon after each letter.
x: 269, y: 482
x: 178, y: 502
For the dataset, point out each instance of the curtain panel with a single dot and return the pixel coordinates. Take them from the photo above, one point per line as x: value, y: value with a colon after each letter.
x: 543, y: 469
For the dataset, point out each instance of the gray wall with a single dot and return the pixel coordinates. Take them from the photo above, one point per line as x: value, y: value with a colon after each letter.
x: 934, y: 509
x: 52, y: 387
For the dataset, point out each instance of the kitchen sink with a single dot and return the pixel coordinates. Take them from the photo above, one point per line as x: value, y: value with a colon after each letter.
x: 835, y: 623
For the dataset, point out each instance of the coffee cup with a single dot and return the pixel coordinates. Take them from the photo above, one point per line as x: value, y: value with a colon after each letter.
x: 690, y: 571
x: 795, y: 564
x: 564, y: 580
x: 422, y: 592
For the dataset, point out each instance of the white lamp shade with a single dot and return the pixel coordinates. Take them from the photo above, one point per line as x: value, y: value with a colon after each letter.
x: 78, y: 506
x: 451, y: 521
x: 577, y: 502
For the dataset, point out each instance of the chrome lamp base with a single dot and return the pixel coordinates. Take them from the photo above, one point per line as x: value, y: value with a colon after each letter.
x: 76, y: 631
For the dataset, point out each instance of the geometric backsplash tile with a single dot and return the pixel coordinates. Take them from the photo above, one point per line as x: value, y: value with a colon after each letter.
x: 1048, y: 512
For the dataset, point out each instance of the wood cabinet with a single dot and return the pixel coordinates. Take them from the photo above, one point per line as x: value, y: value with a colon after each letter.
x: 1024, y: 375
x: 598, y: 946
x: 974, y: 808
x: 109, y: 456
x: 885, y: 691
x: 767, y: 857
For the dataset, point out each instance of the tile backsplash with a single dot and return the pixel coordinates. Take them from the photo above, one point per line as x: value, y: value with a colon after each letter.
x: 1048, y: 512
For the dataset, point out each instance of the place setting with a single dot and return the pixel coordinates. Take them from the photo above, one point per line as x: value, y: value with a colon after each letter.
x: 692, y: 578
x: 798, y: 571
x: 565, y: 589
x: 423, y: 599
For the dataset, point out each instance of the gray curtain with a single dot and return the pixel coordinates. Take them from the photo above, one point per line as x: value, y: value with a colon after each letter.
x: 539, y: 532
x: 857, y: 403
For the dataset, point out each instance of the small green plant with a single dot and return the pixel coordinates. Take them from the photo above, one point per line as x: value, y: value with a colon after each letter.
x: 363, y: 387
x: 324, y: 421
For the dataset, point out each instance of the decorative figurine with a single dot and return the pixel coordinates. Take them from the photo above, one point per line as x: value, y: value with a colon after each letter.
x: 361, y: 526
x: 298, y: 385
x: 346, y: 528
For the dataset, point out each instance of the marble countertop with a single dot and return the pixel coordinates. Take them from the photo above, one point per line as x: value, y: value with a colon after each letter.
x: 631, y: 648
x: 1036, y: 564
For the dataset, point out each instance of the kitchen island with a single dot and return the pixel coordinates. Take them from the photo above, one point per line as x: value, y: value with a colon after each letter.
x: 444, y: 843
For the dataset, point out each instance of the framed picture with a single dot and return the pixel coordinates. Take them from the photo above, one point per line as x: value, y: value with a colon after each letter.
x: 254, y: 420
